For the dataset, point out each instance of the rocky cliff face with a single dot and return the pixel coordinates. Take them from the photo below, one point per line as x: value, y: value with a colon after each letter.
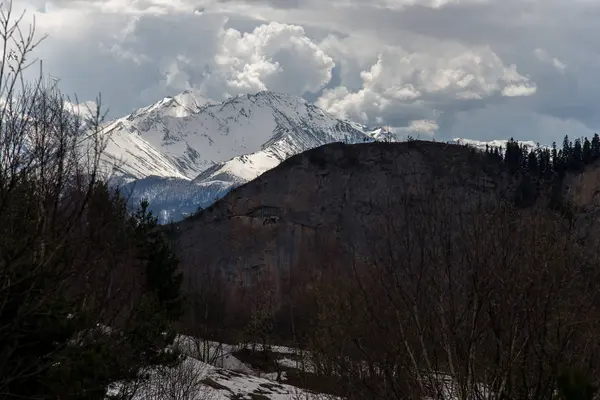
x: 334, y: 196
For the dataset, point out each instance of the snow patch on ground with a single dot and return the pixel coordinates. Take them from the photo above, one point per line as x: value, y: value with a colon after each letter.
x: 228, y: 378
x: 218, y: 354
x: 196, y: 380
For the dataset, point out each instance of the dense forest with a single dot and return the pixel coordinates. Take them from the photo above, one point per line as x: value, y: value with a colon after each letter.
x: 548, y: 162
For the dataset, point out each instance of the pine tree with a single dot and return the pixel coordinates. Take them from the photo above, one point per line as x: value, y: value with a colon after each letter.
x: 524, y: 157
x: 545, y: 168
x: 557, y: 201
x: 555, y: 159
x: 73, y: 316
x: 587, y: 152
x: 163, y: 277
x: 532, y: 163
x: 497, y: 153
x: 566, y: 149
x: 513, y: 156
x: 47, y: 312
x: 595, y: 147
x: 576, y: 160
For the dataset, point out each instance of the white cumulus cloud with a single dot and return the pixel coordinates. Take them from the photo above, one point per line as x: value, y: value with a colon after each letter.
x: 423, y: 85
x: 273, y: 56
x: 417, y: 65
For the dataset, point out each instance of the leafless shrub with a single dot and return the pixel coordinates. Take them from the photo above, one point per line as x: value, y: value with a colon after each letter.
x: 206, y: 313
x: 458, y: 295
x: 69, y: 255
x: 183, y: 382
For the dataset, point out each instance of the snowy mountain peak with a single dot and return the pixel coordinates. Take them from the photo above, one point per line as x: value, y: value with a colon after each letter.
x: 184, y: 135
x: 222, y: 145
x: 187, y: 103
x: 182, y: 105
x: 267, y: 96
x: 382, y: 133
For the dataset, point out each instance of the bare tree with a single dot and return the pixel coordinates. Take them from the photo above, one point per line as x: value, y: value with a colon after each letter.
x: 456, y: 294
x: 72, y: 293
x: 205, y: 321
x: 49, y: 165
x: 182, y: 382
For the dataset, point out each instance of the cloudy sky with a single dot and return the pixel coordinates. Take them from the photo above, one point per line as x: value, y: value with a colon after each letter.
x: 481, y: 69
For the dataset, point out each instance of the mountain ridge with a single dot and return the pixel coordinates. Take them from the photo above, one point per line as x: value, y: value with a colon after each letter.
x: 329, y: 196
x: 185, y: 151
x: 188, y: 140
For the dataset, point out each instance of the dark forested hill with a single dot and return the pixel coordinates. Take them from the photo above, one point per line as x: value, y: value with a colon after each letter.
x: 334, y: 196
x: 408, y: 256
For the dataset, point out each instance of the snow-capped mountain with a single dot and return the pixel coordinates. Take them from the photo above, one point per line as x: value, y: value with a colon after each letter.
x: 383, y: 134
x: 187, y: 151
x: 492, y: 144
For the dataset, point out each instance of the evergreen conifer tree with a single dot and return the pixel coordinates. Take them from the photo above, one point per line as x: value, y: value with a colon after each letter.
x: 545, y: 168
x: 566, y: 149
x: 54, y: 337
x: 587, y: 152
x: 532, y: 163
x: 595, y: 147
x: 513, y: 156
x: 163, y: 277
x: 555, y: 160
x: 576, y: 161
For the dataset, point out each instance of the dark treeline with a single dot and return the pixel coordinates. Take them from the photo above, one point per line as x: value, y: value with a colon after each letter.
x: 543, y: 169
x: 547, y: 163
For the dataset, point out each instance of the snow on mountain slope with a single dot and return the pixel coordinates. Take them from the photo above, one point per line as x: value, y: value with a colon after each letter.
x: 173, y: 198
x: 193, y: 133
x: 187, y: 151
x: 291, y: 140
x: 500, y: 144
x: 382, y: 134
x: 131, y: 157
x: 148, y: 142
x: 217, y: 146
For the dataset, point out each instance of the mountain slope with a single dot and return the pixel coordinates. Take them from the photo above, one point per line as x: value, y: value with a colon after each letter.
x: 187, y: 151
x: 335, y: 195
x: 193, y: 133
x: 195, y: 145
